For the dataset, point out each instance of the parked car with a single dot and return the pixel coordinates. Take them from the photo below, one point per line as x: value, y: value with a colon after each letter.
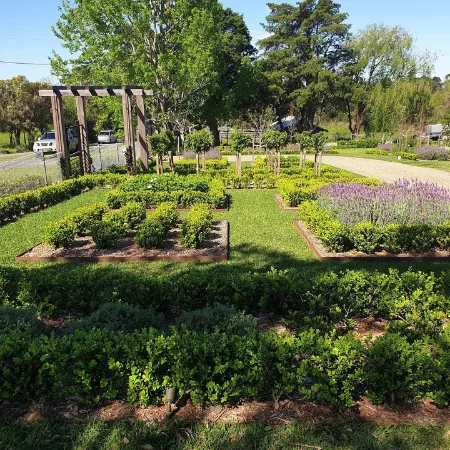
x: 47, y: 143
x: 107, y: 137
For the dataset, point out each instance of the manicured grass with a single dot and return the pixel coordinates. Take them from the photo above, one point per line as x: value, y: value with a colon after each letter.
x: 17, y: 237
x: 9, y: 156
x: 257, y: 435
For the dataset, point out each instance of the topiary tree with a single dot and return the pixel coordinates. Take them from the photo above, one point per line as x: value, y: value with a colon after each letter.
x: 238, y: 142
x: 199, y: 142
x: 318, y: 141
x: 161, y: 144
x: 304, y: 141
x: 274, y: 140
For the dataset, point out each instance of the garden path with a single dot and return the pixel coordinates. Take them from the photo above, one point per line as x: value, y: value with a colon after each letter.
x: 388, y: 171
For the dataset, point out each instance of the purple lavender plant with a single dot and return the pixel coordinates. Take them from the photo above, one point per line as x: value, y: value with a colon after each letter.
x: 403, y: 202
x: 387, y: 147
x: 430, y: 152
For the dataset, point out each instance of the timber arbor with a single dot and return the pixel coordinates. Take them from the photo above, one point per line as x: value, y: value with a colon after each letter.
x: 56, y: 93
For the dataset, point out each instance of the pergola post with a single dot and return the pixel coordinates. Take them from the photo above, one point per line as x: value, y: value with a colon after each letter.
x: 62, y: 146
x: 83, y: 138
x: 128, y: 124
x: 142, y: 133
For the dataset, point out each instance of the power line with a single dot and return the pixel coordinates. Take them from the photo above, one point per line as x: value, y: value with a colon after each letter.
x: 24, y: 63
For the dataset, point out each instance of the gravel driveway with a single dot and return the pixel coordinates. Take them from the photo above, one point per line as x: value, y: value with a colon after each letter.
x: 388, y: 171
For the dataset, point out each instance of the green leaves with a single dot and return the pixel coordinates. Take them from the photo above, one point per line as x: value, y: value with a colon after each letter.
x: 199, y: 141
x: 274, y: 140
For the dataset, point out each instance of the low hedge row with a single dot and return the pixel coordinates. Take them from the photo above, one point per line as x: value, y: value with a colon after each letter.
x: 169, y: 182
x: 155, y: 228
x: 14, y: 206
x: 214, y: 195
x: 188, y: 166
x: 368, y: 238
x: 318, y: 297
x: 259, y: 177
x: 359, y: 143
x: 406, y: 155
x: 223, y: 368
x: 115, y: 224
x: 63, y: 232
x: 296, y: 189
x: 197, y: 226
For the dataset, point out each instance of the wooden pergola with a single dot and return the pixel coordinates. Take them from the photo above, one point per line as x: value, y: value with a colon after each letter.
x: 56, y: 93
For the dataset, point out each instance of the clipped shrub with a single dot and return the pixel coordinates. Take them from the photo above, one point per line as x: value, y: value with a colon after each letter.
x: 366, y: 237
x: 358, y: 143
x: 197, y: 226
x: 443, y: 235
x: 224, y: 318
x: 86, y: 217
x: 120, y: 317
x: 60, y: 234
x: 12, y: 319
x: 155, y: 228
x: 133, y: 214
x: 397, y: 371
x: 403, y: 238
x: 106, y: 233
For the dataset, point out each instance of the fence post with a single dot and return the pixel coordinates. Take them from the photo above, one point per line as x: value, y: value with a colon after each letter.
x: 100, y: 156
x: 45, y: 170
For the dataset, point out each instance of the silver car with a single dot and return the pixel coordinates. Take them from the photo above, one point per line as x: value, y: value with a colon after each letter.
x: 107, y: 137
x: 47, y: 143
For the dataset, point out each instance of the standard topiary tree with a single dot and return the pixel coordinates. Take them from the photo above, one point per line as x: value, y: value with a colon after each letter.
x: 238, y: 142
x: 161, y: 144
x: 318, y: 141
x: 304, y: 141
x: 199, y: 142
x: 274, y: 140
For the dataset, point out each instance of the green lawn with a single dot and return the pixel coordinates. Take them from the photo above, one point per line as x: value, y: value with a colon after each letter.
x: 255, y: 435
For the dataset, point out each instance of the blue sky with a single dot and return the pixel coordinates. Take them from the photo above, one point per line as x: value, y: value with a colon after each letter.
x: 26, y: 36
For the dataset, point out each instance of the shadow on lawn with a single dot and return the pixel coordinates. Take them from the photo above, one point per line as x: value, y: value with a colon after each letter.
x: 258, y: 435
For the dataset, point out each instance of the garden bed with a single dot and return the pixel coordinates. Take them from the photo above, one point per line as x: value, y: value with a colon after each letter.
x: 215, y: 249
x: 283, y: 205
x: 321, y: 252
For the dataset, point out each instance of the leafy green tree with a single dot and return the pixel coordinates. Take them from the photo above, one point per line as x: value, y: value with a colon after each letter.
x: 199, y: 142
x: 238, y: 142
x: 168, y: 46
x: 22, y: 111
x: 234, y: 59
x: 378, y: 56
x: 274, y: 140
x: 303, y: 52
x: 161, y: 144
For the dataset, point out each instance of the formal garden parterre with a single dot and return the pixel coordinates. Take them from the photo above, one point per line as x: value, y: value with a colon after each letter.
x: 135, y: 330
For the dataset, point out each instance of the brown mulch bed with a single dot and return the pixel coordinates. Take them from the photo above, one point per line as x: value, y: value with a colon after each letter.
x: 84, y: 249
x: 321, y: 252
x: 286, y: 411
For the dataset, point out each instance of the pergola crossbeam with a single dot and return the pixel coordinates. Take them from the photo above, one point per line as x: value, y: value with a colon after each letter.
x: 126, y: 92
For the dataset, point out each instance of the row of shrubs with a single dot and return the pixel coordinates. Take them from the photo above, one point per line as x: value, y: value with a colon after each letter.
x: 369, y: 238
x: 295, y: 190
x: 223, y: 367
x: 358, y: 143
x: 188, y: 166
x: 14, y: 206
x: 214, y: 195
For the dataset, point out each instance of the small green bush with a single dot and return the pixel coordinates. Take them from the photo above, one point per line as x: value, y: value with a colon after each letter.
x: 12, y: 319
x: 197, y: 226
x: 120, y: 317
x: 225, y: 318
x: 403, y: 238
x: 366, y: 237
x: 133, y: 214
x: 107, y: 232
x: 155, y: 228
x: 60, y: 234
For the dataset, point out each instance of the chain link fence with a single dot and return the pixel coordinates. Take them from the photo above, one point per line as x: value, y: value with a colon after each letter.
x: 28, y: 171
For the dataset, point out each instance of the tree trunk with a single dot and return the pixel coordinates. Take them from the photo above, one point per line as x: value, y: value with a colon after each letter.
x: 214, y: 128
x: 316, y: 160
x: 278, y: 162
x: 171, y: 164
x: 17, y: 133
x: 204, y: 160
x: 197, y: 163
x: 319, y: 170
